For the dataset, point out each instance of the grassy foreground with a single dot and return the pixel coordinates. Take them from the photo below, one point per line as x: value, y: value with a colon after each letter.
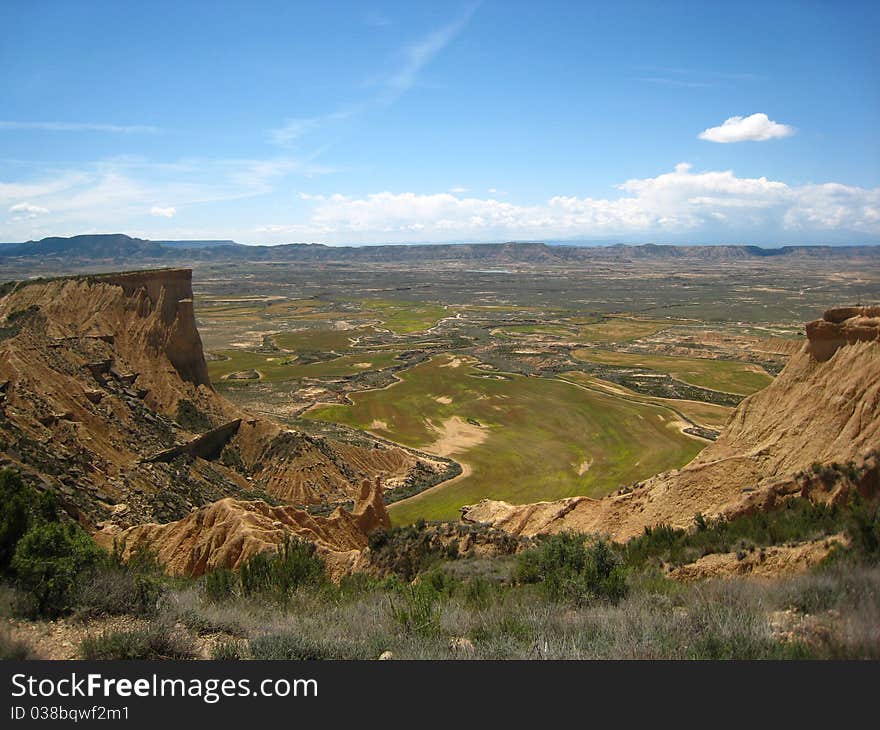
x: 565, y: 596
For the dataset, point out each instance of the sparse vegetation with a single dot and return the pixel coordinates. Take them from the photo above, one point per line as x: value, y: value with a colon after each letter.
x: 796, y: 520
x: 191, y: 418
x: 156, y: 641
x: 13, y: 649
x: 568, y: 568
x: 278, y: 574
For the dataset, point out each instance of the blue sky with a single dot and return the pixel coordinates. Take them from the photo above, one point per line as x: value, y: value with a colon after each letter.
x: 275, y: 122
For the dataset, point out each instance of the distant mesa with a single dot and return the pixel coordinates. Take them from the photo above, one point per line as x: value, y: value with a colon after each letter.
x: 485, y: 256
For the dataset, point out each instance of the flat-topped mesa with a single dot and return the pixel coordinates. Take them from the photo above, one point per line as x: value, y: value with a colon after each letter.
x: 842, y: 326
x: 170, y: 294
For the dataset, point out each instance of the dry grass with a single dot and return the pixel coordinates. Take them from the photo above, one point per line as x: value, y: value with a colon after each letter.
x: 833, y: 613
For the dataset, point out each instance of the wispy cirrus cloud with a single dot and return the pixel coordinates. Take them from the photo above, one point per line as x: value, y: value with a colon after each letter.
x: 416, y: 56
x: 80, y: 127
x: 663, y: 81
x: 692, y: 78
x: 391, y: 85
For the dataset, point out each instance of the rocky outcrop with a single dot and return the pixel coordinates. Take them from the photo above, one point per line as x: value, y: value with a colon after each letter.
x: 823, y: 408
x: 843, y: 326
x: 207, y: 446
x: 760, y: 562
x: 228, y: 532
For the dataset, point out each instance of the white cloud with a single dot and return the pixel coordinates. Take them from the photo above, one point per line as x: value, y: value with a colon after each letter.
x: 81, y: 127
x: 458, y: 190
x: 754, y: 128
x: 110, y: 194
x: 26, y: 211
x: 27, y: 208
x: 683, y: 203
x: 678, y: 202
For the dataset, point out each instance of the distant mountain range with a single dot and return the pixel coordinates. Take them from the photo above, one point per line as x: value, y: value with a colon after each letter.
x: 119, y: 247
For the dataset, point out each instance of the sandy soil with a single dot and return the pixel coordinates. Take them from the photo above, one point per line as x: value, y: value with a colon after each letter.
x: 456, y: 435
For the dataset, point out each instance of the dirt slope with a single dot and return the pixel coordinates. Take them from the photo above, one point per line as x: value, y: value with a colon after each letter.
x: 823, y: 407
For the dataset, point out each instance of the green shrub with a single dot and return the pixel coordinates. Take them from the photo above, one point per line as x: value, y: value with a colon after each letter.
x: 567, y: 569
x: 110, y: 590
x: 288, y: 645
x: 229, y: 650
x: 13, y: 649
x: 278, y: 574
x: 409, y: 550
x: 220, y: 585
x: 353, y: 585
x: 191, y: 418
x: 48, y: 560
x: 440, y: 581
x: 417, y: 609
x: 478, y: 593
x: 157, y: 641
x: 795, y: 520
x: 863, y: 529
x: 15, y: 515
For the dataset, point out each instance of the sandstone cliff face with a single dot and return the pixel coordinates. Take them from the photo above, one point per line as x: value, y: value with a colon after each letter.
x: 142, y: 322
x: 823, y: 407
x: 94, y: 372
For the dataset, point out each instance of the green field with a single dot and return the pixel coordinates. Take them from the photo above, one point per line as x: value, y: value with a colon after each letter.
x: 724, y: 375
x: 317, y: 339
x: 538, y: 435
x: 273, y: 369
x: 621, y: 329
x: 550, y: 330
x: 406, y: 317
